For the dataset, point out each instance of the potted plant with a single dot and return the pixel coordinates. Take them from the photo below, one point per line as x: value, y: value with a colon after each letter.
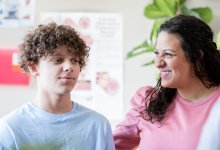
x: 160, y: 11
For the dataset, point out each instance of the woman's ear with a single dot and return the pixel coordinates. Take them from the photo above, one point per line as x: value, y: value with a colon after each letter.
x: 33, y: 68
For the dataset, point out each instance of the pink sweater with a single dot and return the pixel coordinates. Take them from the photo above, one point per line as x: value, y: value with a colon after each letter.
x: 180, y: 129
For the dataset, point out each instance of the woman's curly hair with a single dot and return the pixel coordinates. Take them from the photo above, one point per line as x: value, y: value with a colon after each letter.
x: 43, y: 41
x: 196, y: 39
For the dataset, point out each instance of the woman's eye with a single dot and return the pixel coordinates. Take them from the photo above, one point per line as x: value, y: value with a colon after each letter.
x: 168, y: 55
x: 156, y: 53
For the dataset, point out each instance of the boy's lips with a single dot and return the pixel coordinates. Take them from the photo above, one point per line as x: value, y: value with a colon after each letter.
x: 67, y: 77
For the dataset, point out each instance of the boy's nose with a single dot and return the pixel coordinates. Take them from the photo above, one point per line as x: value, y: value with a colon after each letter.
x: 68, y: 66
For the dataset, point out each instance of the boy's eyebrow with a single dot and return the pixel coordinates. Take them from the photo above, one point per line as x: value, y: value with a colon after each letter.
x: 61, y: 55
x: 57, y: 54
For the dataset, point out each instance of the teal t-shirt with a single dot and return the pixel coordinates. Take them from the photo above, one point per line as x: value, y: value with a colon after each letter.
x: 30, y: 128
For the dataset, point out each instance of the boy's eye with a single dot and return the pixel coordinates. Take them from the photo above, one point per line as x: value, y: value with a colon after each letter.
x: 57, y: 60
x: 75, y: 60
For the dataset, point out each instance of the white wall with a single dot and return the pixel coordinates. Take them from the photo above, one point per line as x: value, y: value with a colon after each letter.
x: 136, y: 29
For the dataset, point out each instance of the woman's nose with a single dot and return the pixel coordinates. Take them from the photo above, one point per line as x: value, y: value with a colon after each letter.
x: 159, y: 62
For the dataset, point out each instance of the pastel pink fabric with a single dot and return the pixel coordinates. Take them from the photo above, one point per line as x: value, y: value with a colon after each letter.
x: 180, y: 130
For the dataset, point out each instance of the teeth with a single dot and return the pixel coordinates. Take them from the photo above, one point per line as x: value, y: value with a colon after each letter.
x: 165, y: 72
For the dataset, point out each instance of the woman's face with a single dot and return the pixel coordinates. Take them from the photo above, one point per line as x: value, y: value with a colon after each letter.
x: 176, y: 70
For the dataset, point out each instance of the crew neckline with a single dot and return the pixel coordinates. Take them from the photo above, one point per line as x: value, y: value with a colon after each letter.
x: 201, y: 101
x: 48, y: 115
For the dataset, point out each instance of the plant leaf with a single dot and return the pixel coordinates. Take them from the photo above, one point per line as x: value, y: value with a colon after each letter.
x: 161, y: 8
x: 142, y: 45
x: 149, y: 63
x: 155, y: 28
x: 205, y: 13
x: 181, y: 2
x: 167, y: 6
x: 186, y: 11
x: 152, y: 12
x: 218, y: 40
x: 140, y: 49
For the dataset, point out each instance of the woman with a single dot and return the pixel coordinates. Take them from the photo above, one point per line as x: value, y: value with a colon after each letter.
x: 171, y: 115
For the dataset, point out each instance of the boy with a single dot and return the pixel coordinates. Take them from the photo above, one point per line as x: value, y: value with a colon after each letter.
x: 54, y: 55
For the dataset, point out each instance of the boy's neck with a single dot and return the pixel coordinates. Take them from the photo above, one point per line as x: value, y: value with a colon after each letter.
x: 54, y: 104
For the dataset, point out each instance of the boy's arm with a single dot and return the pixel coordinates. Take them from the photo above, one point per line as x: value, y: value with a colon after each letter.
x: 2, y: 147
x: 109, y: 138
x: 6, y: 138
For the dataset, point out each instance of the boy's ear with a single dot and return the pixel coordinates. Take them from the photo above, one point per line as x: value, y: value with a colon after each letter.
x: 33, y: 68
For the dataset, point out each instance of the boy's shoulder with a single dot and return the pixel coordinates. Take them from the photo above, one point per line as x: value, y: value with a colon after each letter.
x: 12, y: 120
x: 15, y: 117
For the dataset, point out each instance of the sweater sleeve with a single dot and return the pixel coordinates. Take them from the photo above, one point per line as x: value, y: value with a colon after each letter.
x: 126, y: 134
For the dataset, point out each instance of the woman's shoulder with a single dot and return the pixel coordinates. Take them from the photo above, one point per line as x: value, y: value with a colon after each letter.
x: 139, y: 99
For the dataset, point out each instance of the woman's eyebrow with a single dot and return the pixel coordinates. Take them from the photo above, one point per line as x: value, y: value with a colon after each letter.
x: 169, y: 50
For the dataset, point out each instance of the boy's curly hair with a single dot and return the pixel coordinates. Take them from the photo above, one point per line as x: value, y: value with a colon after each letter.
x: 43, y: 41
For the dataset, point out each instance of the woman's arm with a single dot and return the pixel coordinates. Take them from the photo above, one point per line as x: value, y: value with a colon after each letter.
x: 127, y: 134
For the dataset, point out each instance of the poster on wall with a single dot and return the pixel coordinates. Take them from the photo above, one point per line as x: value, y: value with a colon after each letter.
x: 100, y: 85
x: 17, y: 13
x: 10, y: 72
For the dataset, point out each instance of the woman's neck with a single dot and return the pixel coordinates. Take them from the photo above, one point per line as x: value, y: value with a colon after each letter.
x: 196, y: 92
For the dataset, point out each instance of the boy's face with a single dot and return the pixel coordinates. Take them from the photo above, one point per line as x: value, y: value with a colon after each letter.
x: 58, y: 73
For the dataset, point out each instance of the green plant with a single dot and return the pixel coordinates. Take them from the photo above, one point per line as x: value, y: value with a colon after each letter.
x: 218, y: 41
x: 160, y: 11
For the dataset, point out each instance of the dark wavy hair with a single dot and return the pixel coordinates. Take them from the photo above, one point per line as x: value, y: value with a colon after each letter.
x: 43, y: 41
x: 196, y: 39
